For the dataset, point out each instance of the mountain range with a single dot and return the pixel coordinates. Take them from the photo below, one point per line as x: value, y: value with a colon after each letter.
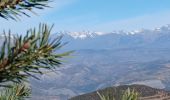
x: 116, y: 40
x: 101, y: 60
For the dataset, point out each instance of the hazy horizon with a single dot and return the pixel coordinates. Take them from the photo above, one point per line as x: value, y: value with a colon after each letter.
x: 96, y: 15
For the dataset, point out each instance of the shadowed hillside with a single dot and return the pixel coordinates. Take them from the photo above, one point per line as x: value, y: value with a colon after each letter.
x: 145, y: 93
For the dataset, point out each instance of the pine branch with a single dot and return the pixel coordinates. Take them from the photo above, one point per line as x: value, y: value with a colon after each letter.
x: 16, y: 92
x: 11, y: 9
x: 29, y: 54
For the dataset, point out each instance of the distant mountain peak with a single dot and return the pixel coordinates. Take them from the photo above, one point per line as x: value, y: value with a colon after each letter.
x: 92, y: 34
x: 84, y: 34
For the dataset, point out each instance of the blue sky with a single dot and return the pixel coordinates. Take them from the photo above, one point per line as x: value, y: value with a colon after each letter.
x: 97, y: 15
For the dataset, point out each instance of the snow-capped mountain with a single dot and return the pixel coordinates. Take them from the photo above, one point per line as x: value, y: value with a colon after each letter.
x: 2, y: 39
x: 91, y: 34
x: 158, y: 37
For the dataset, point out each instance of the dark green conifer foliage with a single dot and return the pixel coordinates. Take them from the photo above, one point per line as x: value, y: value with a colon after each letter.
x: 23, y: 56
x: 29, y: 54
x: 13, y: 9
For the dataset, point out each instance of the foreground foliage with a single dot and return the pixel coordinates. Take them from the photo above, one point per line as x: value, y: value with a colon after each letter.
x: 29, y: 55
x: 16, y: 92
x: 25, y: 56
x: 127, y: 95
x: 105, y: 97
x: 12, y: 9
x: 130, y: 95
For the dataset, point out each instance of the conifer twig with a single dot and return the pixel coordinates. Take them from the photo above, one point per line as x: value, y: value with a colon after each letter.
x: 29, y: 54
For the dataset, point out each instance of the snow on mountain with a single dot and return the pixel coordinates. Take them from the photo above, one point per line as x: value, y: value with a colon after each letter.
x: 155, y: 38
x: 84, y: 34
x: 2, y: 38
x: 89, y: 34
